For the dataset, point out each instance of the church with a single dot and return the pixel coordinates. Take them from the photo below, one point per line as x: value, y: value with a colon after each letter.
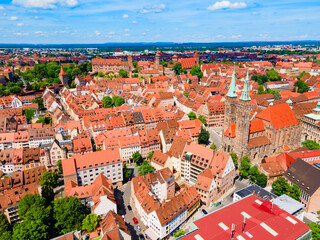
x: 258, y: 135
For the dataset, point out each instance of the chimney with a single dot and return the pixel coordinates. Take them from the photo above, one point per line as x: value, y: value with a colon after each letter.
x: 232, y: 231
x: 244, y: 223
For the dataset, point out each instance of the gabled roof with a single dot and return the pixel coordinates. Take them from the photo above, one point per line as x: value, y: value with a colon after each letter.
x: 256, y: 126
x: 306, y: 176
x: 231, y: 131
x: 280, y: 116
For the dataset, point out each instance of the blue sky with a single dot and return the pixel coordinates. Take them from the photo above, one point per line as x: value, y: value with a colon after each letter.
x: 100, y: 21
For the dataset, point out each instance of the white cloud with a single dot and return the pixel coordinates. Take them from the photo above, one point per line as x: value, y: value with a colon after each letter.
x: 134, y: 21
x: 226, y: 4
x: 126, y: 30
x: 111, y: 33
x: 97, y: 33
x: 126, y: 35
x: 20, y: 24
x: 156, y: 8
x: 36, y: 17
x: 255, y: 13
x: 1, y: 8
x: 21, y: 34
x: 38, y: 32
x: 220, y: 36
x: 125, y: 15
x: 236, y: 36
x: 45, y: 4
x: 13, y: 18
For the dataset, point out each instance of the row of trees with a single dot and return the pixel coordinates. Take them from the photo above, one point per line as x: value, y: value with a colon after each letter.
x: 144, y: 165
x: 122, y: 74
x: 270, y: 76
x: 11, y: 88
x: 247, y: 170
x: 115, y: 101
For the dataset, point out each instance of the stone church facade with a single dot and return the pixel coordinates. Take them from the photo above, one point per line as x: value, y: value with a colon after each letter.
x: 257, y: 135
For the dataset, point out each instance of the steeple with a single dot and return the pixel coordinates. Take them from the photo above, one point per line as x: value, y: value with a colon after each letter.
x: 232, y: 89
x: 245, y: 91
x: 62, y: 72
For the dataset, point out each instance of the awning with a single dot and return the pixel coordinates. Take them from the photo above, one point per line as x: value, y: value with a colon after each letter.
x: 151, y: 234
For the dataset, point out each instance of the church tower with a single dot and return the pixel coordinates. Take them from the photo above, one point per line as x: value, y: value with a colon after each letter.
x: 157, y: 60
x: 196, y: 56
x: 63, y: 77
x: 243, y: 114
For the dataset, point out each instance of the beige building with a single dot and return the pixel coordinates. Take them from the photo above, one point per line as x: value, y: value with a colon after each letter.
x: 111, y: 66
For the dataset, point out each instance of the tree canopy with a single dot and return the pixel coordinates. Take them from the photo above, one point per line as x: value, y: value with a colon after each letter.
x: 145, y: 168
x: 90, y: 222
x: 213, y: 146
x: 311, y: 145
x: 202, y: 119
x: 196, y: 71
x: 203, y: 136
x: 245, y: 165
x: 179, y: 233
x: 29, y: 113
x: 192, y: 115
x: 302, y: 86
x: 150, y: 155
x: 280, y: 186
x: 315, y: 228
x: 234, y: 159
x: 5, y: 227
x: 137, y: 158
x: 123, y: 73
x: 68, y: 213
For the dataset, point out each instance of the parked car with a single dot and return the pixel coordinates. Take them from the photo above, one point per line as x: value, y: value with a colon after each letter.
x: 204, y: 211
x: 129, y: 208
x: 118, y: 201
x: 135, y: 220
x: 141, y: 237
x: 124, y: 219
x: 138, y: 228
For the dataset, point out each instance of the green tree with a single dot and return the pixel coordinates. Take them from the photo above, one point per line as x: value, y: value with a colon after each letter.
x: 245, y: 165
x: 119, y: 102
x: 280, y: 186
x: 68, y: 213
x: 164, y: 64
x: 123, y: 73
x: 73, y: 84
x: 294, y: 192
x: 29, y: 113
x: 137, y: 158
x: 261, y: 90
x: 5, y: 227
x: 213, y: 146
x: 234, y: 159
x: 150, y: 155
x: 253, y: 172
x: 186, y: 94
x: 196, y: 71
x: 100, y: 74
x: 202, y: 119
x: 28, y: 202
x: 34, y: 230
x: 302, y: 86
x: 90, y: 222
x: 192, y: 115
x: 179, y: 233
x: 107, y: 102
x: 126, y: 171
x: 59, y: 165
x: 311, y: 145
x: 49, y: 179
x: 315, y: 228
x: 145, y: 168
x: 273, y: 75
x: 14, y: 90
x: 40, y: 103
x: 261, y: 180
x: 203, y: 136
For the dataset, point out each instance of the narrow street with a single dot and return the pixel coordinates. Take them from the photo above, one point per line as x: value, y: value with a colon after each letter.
x: 124, y: 194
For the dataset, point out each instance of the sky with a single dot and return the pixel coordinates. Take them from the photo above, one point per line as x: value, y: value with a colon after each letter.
x: 102, y: 21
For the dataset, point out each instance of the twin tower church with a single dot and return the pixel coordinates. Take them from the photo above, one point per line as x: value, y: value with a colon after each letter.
x: 255, y: 132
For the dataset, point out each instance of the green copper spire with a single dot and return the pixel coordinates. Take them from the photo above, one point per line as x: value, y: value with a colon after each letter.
x: 245, y: 91
x: 232, y: 89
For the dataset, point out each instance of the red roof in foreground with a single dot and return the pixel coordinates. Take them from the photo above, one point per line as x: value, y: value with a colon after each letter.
x: 280, y: 115
x: 261, y: 222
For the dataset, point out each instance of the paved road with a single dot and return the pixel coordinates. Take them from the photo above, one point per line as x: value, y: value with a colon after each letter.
x: 215, y: 136
x: 124, y: 194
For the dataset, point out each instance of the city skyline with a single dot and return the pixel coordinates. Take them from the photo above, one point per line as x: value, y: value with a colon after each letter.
x: 92, y: 21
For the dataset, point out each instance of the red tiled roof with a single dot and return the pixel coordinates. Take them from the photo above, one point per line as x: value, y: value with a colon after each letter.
x: 280, y: 116
x: 187, y: 62
x: 231, y: 131
x: 256, y: 126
